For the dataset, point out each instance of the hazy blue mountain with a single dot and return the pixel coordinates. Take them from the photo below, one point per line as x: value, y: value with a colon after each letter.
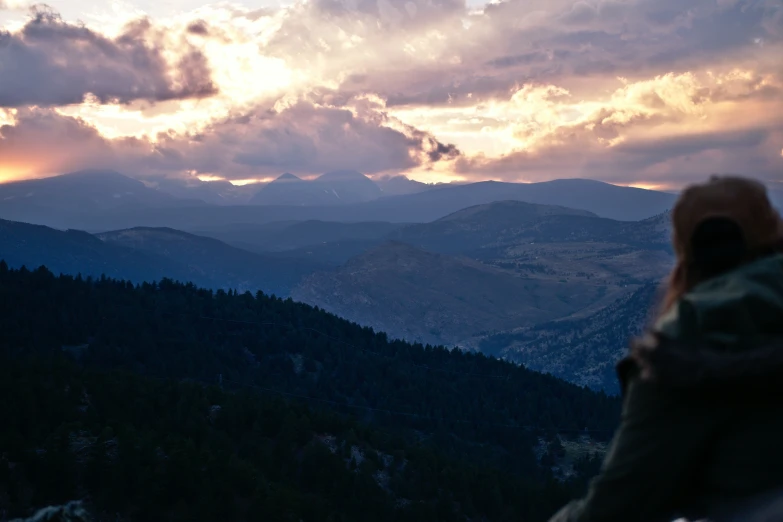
x: 280, y: 236
x: 149, y: 255
x: 288, y: 190
x: 203, y: 257
x: 484, y: 230
x: 86, y: 191
x: 349, y: 186
x: 213, y: 192
x: 481, y: 226
x: 562, y: 260
x: 76, y: 252
x: 428, y: 297
x: 602, y: 199
x: 400, y: 185
x: 341, y: 187
x: 332, y: 254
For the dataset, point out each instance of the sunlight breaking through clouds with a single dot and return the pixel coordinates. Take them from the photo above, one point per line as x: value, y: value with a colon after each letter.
x: 641, y: 92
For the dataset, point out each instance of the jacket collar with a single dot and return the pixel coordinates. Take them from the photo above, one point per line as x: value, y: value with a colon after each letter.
x: 702, y: 366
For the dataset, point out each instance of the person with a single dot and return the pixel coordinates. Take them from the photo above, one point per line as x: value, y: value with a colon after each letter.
x: 701, y: 431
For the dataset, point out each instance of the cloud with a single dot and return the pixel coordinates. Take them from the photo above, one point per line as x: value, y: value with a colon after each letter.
x: 444, y: 55
x: 661, y: 131
x: 629, y: 91
x: 43, y: 142
x: 50, y: 62
x: 302, y: 137
x: 295, y: 135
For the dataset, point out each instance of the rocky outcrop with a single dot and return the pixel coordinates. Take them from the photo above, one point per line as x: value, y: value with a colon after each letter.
x: 70, y: 512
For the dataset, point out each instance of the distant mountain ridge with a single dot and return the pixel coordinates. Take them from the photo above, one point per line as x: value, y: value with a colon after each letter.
x: 400, y: 185
x: 145, y: 254
x: 483, y: 231
x: 340, y: 187
x: 283, y: 236
x: 608, y: 201
x: 88, y: 190
x: 479, y: 225
x: 602, y: 199
x: 475, y: 278
x: 492, y: 258
x: 421, y: 296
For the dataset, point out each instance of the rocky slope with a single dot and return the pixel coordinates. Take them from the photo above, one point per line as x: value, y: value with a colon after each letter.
x: 434, y: 298
x: 583, y: 349
x: 481, y: 278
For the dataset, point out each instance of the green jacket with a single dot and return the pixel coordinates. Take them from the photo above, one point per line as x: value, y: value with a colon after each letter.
x: 702, y: 421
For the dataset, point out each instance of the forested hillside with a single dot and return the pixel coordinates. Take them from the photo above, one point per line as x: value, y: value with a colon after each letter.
x: 146, y: 254
x: 118, y: 399
x: 582, y: 349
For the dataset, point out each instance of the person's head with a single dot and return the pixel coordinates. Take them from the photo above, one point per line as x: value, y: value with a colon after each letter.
x: 718, y: 226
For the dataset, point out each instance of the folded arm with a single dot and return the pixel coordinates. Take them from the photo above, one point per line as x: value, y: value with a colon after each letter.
x: 651, y: 462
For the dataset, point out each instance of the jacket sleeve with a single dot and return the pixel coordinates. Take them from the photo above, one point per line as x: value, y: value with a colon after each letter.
x: 650, y: 463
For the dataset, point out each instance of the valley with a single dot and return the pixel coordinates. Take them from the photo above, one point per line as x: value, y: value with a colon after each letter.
x: 359, y: 261
x: 549, y: 262
x: 115, y: 202
x: 513, y: 279
x: 436, y: 299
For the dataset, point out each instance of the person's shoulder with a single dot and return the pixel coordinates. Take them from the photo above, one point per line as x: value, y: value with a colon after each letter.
x: 701, y: 366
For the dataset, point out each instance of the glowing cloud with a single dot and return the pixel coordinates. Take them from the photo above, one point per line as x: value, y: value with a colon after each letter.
x: 642, y: 92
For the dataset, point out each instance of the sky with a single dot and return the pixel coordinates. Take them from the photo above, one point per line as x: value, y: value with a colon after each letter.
x: 649, y: 93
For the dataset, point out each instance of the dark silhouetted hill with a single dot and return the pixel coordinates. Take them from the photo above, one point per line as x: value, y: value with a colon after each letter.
x: 149, y: 255
x: 317, y: 418
x: 202, y: 258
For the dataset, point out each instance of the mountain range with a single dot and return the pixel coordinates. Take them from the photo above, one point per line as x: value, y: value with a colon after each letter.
x: 88, y: 194
x: 433, y: 298
x: 98, y: 201
x: 282, y: 236
x: 169, y: 402
x: 144, y: 254
x: 472, y: 279
x: 477, y: 278
x: 333, y: 188
x: 488, y: 266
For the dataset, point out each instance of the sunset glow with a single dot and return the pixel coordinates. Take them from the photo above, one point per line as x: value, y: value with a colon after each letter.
x: 439, y: 92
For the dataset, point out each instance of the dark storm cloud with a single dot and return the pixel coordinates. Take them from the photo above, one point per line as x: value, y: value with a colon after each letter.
x: 198, y: 27
x: 52, y: 63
